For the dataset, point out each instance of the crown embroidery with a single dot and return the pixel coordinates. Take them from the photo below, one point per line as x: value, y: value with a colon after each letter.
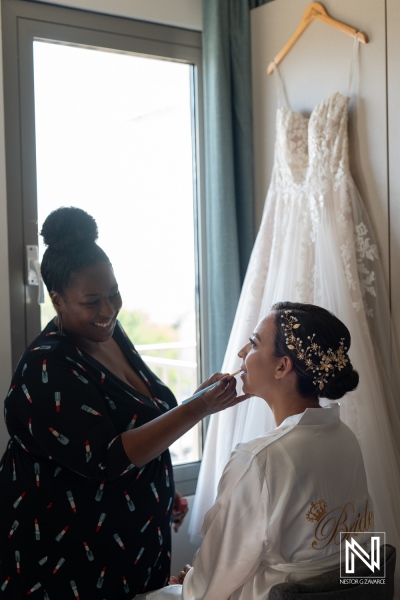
x: 322, y: 364
x: 317, y: 510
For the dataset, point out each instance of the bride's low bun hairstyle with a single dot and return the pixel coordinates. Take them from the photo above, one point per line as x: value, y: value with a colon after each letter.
x: 341, y: 383
x: 332, y: 338
x: 70, y: 235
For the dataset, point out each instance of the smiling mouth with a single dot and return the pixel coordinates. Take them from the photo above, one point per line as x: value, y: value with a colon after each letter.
x: 104, y: 325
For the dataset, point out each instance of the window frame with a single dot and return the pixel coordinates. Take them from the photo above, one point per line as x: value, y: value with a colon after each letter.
x: 22, y: 23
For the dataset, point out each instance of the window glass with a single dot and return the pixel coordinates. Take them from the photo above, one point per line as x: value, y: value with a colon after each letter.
x: 114, y: 137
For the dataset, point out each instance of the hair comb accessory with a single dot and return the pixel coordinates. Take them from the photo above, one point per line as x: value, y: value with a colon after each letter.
x: 323, y: 364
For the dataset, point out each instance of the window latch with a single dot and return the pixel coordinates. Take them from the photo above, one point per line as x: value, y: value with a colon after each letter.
x: 33, y: 267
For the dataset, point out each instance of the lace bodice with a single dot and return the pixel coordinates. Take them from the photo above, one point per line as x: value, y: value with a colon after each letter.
x: 310, y: 183
x: 312, y: 149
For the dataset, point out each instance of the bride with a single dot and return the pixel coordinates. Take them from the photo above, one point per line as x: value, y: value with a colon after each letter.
x: 284, y: 496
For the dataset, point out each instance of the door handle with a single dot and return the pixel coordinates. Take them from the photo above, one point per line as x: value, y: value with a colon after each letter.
x: 34, y: 276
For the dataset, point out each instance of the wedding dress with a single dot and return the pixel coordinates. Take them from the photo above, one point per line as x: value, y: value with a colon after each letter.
x: 316, y: 244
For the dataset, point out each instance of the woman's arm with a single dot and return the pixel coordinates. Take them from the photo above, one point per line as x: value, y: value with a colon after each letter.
x: 148, y: 441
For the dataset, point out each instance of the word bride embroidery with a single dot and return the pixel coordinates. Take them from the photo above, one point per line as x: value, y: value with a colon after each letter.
x: 343, y: 519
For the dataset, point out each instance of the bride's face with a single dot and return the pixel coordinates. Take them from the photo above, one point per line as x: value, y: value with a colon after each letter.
x: 259, y: 365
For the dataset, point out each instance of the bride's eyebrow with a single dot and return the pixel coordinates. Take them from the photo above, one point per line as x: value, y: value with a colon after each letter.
x: 254, y: 334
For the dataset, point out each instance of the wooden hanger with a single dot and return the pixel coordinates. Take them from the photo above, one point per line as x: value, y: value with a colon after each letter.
x: 315, y: 10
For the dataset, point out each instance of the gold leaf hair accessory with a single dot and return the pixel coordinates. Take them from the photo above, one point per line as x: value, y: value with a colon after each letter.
x: 322, y: 364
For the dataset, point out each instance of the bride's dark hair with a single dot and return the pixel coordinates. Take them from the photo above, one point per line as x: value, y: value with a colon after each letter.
x: 330, y: 333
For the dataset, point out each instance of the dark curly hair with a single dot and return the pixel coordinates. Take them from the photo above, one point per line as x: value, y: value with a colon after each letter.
x: 328, y: 330
x: 70, y: 235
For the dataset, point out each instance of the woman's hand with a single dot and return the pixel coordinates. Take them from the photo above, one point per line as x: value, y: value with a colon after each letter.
x: 213, y: 379
x: 179, y: 510
x: 221, y: 396
x: 181, y: 577
x: 144, y: 443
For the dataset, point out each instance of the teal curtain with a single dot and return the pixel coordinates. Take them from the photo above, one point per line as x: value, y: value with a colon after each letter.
x: 228, y: 161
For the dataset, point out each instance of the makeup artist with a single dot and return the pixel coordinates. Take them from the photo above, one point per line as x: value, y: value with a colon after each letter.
x: 86, y: 483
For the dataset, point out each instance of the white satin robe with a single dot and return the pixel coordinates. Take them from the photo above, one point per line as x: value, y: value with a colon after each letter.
x: 263, y: 528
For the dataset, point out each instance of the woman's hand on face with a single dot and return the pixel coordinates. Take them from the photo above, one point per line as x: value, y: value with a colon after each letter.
x: 221, y: 396
x: 213, y: 379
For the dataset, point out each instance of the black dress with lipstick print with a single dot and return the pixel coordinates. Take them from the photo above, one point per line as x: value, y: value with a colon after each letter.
x: 78, y: 519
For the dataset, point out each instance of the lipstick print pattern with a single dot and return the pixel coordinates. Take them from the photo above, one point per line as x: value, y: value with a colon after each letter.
x: 58, y: 565
x: 18, y: 500
x: 13, y: 529
x: 45, y: 375
x: 71, y: 500
x: 27, y: 394
x: 88, y: 451
x: 71, y: 492
x: 89, y: 553
x: 99, y: 493
x: 119, y: 541
x: 101, y: 578
x: 90, y: 410
x: 131, y: 425
x: 60, y: 536
x: 18, y: 561
x: 131, y: 506
x: 59, y: 436
x: 36, y: 467
x: 5, y: 584
x: 37, y: 531
x: 80, y: 377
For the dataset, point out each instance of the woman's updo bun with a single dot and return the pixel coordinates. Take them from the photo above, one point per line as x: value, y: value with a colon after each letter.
x: 326, y: 370
x: 70, y: 235
x: 340, y: 384
x: 68, y: 228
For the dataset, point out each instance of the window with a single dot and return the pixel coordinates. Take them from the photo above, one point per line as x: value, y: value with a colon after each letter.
x: 108, y: 114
